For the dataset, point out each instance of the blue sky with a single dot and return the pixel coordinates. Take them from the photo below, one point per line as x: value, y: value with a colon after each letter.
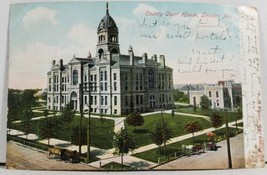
x: 42, y: 32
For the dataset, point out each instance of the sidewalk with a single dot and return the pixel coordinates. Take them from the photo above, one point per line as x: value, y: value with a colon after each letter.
x: 180, y: 138
x: 106, y: 156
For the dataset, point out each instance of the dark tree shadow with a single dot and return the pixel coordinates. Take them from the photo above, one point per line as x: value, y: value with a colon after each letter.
x: 97, y: 152
x: 140, y: 131
x: 63, y: 145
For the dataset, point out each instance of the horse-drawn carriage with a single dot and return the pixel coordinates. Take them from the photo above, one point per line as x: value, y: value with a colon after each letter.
x: 211, y: 145
x: 193, y: 149
x: 63, y: 154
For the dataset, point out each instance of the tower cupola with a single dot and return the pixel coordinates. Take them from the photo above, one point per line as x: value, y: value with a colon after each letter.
x: 108, y: 37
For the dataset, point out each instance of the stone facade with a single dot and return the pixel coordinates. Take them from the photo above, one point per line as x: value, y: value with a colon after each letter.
x: 119, y: 84
x: 224, y: 94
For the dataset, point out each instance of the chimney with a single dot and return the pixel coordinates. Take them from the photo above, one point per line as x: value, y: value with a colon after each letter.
x: 162, y: 60
x: 131, y: 53
x: 61, y: 64
x: 144, y: 58
x: 155, y: 58
x: 53, y: 63
x: 89, y: 55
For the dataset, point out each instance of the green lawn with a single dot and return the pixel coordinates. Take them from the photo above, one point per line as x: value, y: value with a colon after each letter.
x: 190, y: 110
x: 101, y: 135
x: 154, y: 154
x: 141, y: 136
x: 199, y: 111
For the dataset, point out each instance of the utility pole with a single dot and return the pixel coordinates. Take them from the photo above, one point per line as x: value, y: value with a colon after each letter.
x: 228, y: 141
x: 89, y: 116
x: 163, y: 132
x: 81, y: 112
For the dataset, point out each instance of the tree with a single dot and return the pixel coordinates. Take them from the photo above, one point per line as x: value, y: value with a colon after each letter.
x: 192, y: 127
x: 123, y: 144
x: 180, y: 96
x: 26, y: 125
x: 216, y: 119
x: 68, y: 113
x: 135, y: 119
x: 48, y: 127
x: 161, y: 134
x: 28, y: 98
x: 75, y: 135
x: 204, y: 102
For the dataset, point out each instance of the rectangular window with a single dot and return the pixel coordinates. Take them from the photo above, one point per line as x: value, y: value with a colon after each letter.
x: 106, y: 111
x: 106, y: 100
x: 115, y: 100
x: 115, y: 111
x: 95, y: 100
x: 101, y: 76
x: 137, y: 99
x: 95, y: 110
x: 91, y: 78
x: 141, y: 99
x: 217, y: 94
x: 95, y: 77
x: 85, y: 99
x: 126, y: 100
x: 218, y: 104
x: 126, y: 82
x: 95, y: 86
x: 49, y: 80
x: 114, y: 76
x: 91, y: 99
x: 106, y: 86
x: 102, y: 100
x: 209, y: 93
x: 101, y: 87
x: 105, y: 75
x: 115, y: 86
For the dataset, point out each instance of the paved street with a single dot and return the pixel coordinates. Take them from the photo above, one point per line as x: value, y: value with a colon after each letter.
x: 212, y: 159
x: 18, y: 160
x: 23, y: 157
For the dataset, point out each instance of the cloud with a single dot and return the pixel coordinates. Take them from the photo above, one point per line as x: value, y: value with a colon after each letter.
x: 82, y: 36
x: 142, y: 8
x: 40, y: 15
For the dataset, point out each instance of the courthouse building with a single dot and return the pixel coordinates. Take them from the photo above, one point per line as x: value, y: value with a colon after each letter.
x: 119, y: 84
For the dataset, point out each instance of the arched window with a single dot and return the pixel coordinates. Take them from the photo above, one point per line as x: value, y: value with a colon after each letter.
x: 75, y: 77
x: 100, y: 53
x: 114, y: 51
x: 73, y: 95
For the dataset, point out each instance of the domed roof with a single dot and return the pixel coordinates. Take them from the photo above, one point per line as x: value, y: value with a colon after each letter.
x: 107, y: 21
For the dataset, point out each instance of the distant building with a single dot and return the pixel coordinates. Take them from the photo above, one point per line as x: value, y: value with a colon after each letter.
x: 224, y: 94
x: 119, y: 84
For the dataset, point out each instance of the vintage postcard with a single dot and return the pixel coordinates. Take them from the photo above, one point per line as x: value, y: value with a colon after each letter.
x: 133, y: 86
